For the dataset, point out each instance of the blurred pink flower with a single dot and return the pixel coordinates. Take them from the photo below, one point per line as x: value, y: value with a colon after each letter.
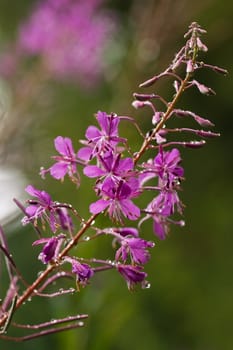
x: 69, y: 36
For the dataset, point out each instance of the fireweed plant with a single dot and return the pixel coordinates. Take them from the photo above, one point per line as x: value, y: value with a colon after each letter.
x: 119, y: 176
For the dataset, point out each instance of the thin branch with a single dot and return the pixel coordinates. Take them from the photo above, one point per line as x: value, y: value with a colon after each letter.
x: 13, y: 265
x: 8, y: 257
x: 53, y: 278
x: 43, y: 333
x: 9, y: 315
x: 68, y: 319
x: 56, y: 294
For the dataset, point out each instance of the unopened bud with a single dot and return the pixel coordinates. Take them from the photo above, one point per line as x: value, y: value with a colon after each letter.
x: 204, y: 133
x: 156, y: 117
x: 203, y: 89
x: 144, y: 97
x: 138, y: 104
x: 189, y: 67
x: 201, y: 46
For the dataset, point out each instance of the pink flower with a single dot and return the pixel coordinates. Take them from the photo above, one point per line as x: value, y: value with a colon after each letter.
x: 51, y: 247
x: 117, y: 201
x: 42, y: 207
x: 135, y: 248
x: 100, y: 141
x: 132, y: 274
x: 70, y: 37
x: 66, y: 162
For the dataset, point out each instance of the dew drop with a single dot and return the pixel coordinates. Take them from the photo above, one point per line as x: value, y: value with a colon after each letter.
x: 83, y: 224
x: 182, y: 223
x: 146, y: 285
x: 86, y: 238
x: 80, y: 324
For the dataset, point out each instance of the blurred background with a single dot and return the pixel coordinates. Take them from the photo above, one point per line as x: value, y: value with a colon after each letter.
x: 53, y: 79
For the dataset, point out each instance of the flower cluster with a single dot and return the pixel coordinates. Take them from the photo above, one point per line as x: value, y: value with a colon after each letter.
x: 69, y: 37
x: 165, y: 166
x: 120, y: 179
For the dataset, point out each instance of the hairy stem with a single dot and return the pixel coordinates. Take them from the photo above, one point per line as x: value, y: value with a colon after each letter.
x: 161, y: 123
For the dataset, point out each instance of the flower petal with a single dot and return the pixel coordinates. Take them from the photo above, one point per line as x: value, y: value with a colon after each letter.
x: 63, y: 145
x: 93, y: 171
x: 129, y: 209
x: 85, y: 153
x: 58, y: 170
x: 92, y: 132
x: 98, y: 206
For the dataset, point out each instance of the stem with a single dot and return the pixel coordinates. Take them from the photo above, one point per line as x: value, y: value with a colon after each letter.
x: 31, y: 289
x: 159, y: 126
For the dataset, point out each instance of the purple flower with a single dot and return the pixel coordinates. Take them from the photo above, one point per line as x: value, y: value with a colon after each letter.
x: 111, y: 166
x: 70, y: 37
x: 101, y: 141
x: 64, y: 219
x: 160, y: 208
x: 118, y: 201
x: 42, y: 207
x: 66, y: 162
x: 82, y: 271
x: 51, y: 248
x: 136, y: 248
x: 166, y: 166
x: 132, y: 274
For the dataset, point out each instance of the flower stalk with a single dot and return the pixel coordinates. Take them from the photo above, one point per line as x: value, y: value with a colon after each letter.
x: 120, y: 179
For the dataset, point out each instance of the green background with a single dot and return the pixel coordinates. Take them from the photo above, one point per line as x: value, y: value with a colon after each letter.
x: 190, y: 303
